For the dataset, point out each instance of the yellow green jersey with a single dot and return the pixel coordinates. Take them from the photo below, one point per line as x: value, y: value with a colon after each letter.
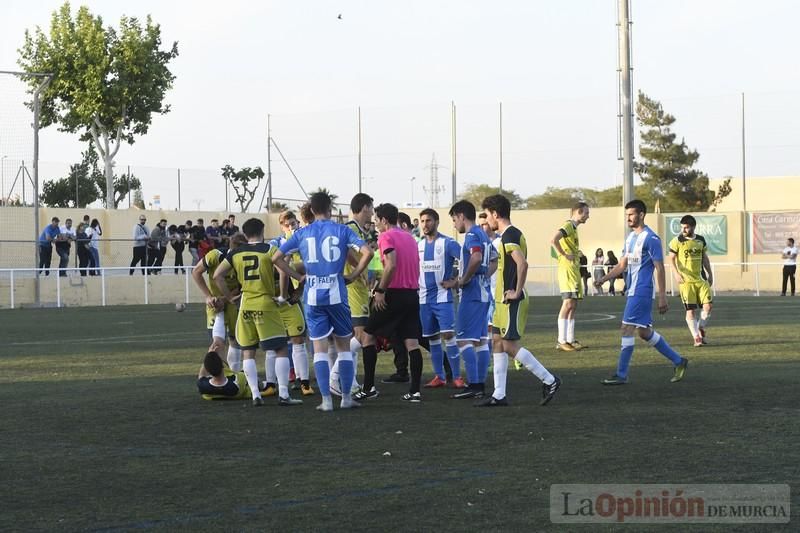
x: 689, y: 254
x: 211, y: 261
x: 358, y: 291
x: 252, y: 264
x: 570, y: 245
x: 512, y: 239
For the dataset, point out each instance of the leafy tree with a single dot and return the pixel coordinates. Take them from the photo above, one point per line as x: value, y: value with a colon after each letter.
x: 138, y: 199
x: 475, y: 193
x: 278, y: 207
x: 123, y: 185
x: 667, y: 167
x: 107, y: 83
x: 245, y: 183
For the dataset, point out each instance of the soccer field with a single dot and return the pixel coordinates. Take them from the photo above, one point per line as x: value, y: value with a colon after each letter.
x: 104, y: 429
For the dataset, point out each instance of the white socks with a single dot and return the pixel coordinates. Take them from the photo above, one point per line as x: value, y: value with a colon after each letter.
x: 570, y: 330
x: 235, y: 358
x: 692, y: 326
x: 300, y: 360
x: 269, y: 363
x: 251, y: 373
x: 562, y: 330
x: 704, y: 316
x: 500, y: 374
x: 218, y: 329
x: 529, y: 361
x: 282, y: 367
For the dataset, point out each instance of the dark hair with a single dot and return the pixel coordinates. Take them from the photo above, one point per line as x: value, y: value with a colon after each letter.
x: 213, y: 364
x: 172, y: 228
x: 638, y: 205
x: 320, y: 203
x: 188, y: 224
x: 387, y: 211
x: 791, y: 240
x: 482, y: 214
x: 689, y: 221
x: 611, y: 255
x: 499, y: 204
x: 579, y: 206
x: 430, y: 212
x: 95, y: 223
x: 360, y: 201
x: 404, y: 219
x: 305, y: 213
x: 463, y: 207
x: 252, y: 227
x: 599, y: 250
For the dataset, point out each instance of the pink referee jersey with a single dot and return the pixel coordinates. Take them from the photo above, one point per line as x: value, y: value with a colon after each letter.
x: 406, y: 275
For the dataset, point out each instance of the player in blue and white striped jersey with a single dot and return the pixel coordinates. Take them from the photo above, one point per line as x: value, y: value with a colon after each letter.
x: 643, y: 256
x: 437, y: 255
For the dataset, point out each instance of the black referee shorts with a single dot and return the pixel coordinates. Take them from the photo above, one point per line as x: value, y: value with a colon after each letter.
x: 399, y: 319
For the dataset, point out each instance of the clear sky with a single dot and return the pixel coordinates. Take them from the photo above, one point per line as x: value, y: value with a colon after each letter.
x: 552, y: 64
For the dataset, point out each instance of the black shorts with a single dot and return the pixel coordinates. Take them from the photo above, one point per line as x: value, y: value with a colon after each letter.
x: 399, y: 319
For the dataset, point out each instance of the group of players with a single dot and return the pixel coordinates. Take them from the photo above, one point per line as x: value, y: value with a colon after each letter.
x: 311, y: 282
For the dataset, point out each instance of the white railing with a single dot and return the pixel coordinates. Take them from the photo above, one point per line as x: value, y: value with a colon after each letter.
x: 160, y: 285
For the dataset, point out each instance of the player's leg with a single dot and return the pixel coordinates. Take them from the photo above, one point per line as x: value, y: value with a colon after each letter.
x: 234, y: 355
x: 409, y: 331
x: 654, y: 339
x: 705, y: 315
x: 453, y: 357
x: 482, y: 353
x: 431, y: 330
x: 319, y: 329
x: 339, y: 317
x: 248, y: 338
x: 272, y: 338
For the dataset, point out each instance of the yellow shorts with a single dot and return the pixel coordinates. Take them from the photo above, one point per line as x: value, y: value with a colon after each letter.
x: 231, y: 311
x: 510, y: 319
x: 695, y: 294
x: 292, y: 318
x: 570, y: 284
x: 358, y: 298
x: 261, y: 328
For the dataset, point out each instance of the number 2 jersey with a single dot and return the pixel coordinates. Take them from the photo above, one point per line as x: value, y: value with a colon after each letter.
x: 323, y: 245
x: 252, y: 263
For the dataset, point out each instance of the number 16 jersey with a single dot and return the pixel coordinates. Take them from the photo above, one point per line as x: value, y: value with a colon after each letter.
x: 252, y: 263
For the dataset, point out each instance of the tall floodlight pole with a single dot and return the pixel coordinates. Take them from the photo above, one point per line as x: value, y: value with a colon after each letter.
x: 744, y: 168
x: 626, y: 98
x: 36, y: 115
x: 269, y: 165
x: 452, y: 152
x: 360, y: 178
x: 501, y: 147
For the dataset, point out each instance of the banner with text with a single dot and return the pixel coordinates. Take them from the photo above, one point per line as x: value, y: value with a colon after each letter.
x: 714, y: 228
x: 769, y: 231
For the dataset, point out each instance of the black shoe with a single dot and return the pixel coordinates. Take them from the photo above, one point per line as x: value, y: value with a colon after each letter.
x: 366, y: 394
x: 258, y: 402
x: 491, y: 401
x: 466, y: 394
x: 396, y: 378
x: 548, y: 391
x: 288, y: 401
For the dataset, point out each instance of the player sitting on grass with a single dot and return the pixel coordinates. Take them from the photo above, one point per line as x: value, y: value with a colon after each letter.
x: 216, y: 381
x: 690, y: 265
x: 642, y: 255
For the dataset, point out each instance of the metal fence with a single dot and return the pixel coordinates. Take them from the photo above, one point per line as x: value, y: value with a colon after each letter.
x: 116, y: 286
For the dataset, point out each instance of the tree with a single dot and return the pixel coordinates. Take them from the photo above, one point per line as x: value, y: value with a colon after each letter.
x: 123, y: 185
x: 138, y: 199
x: 278, y: 207
x: 245, y: 183
x: 107, y: 83
x: 666, y: 166
x: 476, y: 193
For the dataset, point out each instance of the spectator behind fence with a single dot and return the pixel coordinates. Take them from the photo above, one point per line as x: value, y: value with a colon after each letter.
x: 94, y: 232
x: 225, y: 233
x: 141, y: 234
x: 597, y: 268
x: 157, y: 246
x: 611, y: 263
x: 213, y: 234
x: 583, y: 261
x: 197, y: 237
x: 789, y: 257
x: 82, y: 248
x: 233, y: 227
x: 63, y: 245
x: 49, y: 234
x: 177, y: 236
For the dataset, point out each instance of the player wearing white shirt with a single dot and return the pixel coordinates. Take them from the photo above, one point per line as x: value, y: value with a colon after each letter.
x: 789, y: 257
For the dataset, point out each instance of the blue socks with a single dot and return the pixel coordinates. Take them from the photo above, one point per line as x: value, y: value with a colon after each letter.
x: 454, y: 356
x: 470, y: 363
x: 658, y: 342
x: 347, y: 371
x: 483, y: 362
x: 322, y: 370
x: 625, y: 354
x: 437, y: 358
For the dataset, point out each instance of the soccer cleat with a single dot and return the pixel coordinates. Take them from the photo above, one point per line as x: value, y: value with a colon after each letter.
x: 458, y: 383
x: 355, y: 388
x: 306, y: 390
x: 349, y: 403
x: 565, y: 347
x: 296, y: 384
x: 465, y: 394
x: 615, y: 380
x: 578, y: 346
x: 412, y: 397
x: 698, y: 341
x: 288, y: 401
x: 396, y: 378
x: 326, y: 405
x: 491, y: 401
x: 269, y: 390
x: 258, y: 402
x: 703, y: 334
x: 549, y: 391
x: 334, y: 386
x: 436, y: 383
x: 366, y: 395
x: 680, y: 370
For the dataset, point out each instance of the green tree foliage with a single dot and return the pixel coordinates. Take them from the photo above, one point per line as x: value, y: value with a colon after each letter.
x: 278, y: 207
x: 666, y: 167
x: 107, y: 82
x: 475, y: 193
x: 138, y: 199
x: 91, y: 184
x: 245, y: 183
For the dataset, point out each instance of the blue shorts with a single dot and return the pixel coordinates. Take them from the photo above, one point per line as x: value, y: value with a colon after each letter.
x: 490, y: 314
x: 638, y: 311
x: 322, y: 320
x: 471, y: 323
x: 436, y: 318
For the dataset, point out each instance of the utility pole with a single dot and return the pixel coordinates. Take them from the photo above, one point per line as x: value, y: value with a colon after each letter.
x: 434, y: 189
x: 269, y: 165
x: 625, y: 98
x: 452, y: 153
x: 501, y: 147
x: 360, y: 178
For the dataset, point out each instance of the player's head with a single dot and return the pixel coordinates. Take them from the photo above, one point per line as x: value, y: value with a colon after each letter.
x: 463, y: 215
x: 305, y: 214
x: 688, y: 224
x: 580, y: 212
x: 253, y: 229
x: 288, y: 221
x: 429, y: 222
x: 54, y: 222
x: 635, y: 211
x: 212, y: 362
x: 237, y: 239
x: 485, y: 225
x: 321, y: 204
x: 404, y: 221
x: 386, y: 216
x: 790, y: 242
x: 362, y: 208
x: 497, y: 207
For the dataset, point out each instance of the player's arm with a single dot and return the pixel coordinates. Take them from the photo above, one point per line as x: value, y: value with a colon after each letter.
x: 492, y: 267
x: 556, y: 243
x: 279, y: 260
x: 673, y: 260
x: 219, y: 278
x: 661, y: 286
x: 522, y: 276
x: 707, y: 268
x: 389, y: 268
x: 475, y: 259
x: 615, y: 272
x: 197, y: 275
x: 363, y: 263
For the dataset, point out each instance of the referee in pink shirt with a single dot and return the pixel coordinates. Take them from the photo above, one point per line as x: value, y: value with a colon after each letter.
x: 395, y: 302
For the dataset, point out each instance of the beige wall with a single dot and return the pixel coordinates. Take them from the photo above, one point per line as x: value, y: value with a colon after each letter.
x: 780, y: 193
